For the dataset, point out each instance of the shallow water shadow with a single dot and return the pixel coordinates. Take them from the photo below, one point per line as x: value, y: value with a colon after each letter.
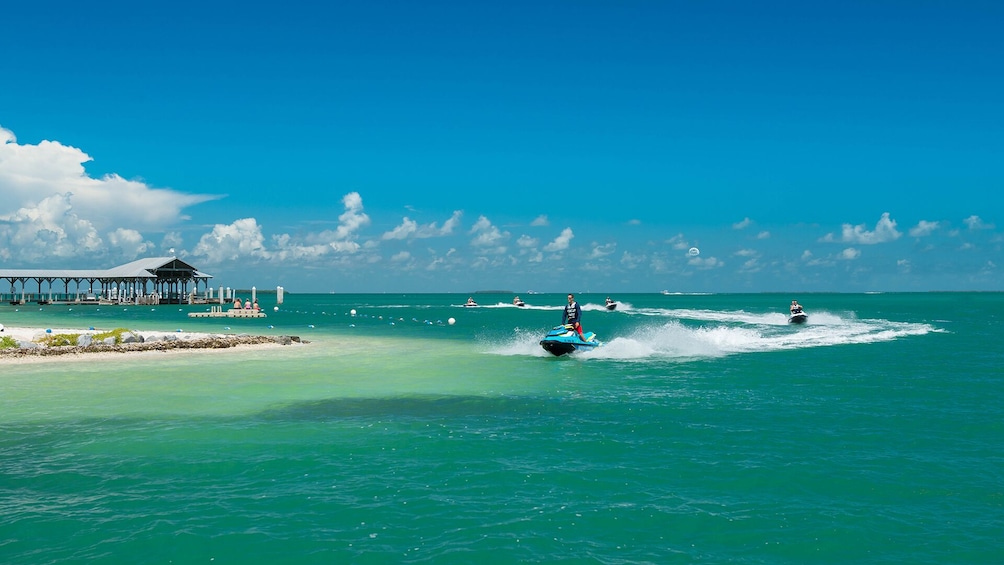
x: 430, y: 406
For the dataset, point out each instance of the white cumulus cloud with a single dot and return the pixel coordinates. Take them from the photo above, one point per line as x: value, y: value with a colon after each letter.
x: 486, y: 234
x: 230, y: 242
x: 705, y: 263
x: 885, y: 231
x: 923, y: 228
x: 49, y: 229
x: 409, y: 229
x: 342, y: 239
x: 30, y: 174
x: 352, y: 219
x: 975, y: 223
x: 850, y: 254
x: 130, y: 243
x: 52, y: 209
x: 602, y: 250
x: 678, y: 242
x: 526, y: 242
x: 561, y: 242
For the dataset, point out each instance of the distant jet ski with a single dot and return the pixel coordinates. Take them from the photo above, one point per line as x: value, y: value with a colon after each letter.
x: 564, y: 339
x: 611, y: 305
x: 799, y: 317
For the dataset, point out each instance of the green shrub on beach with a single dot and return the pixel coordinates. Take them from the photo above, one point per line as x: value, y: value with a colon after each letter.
x: 116, y: 333
x: 58, y: 340
x: 7, y: 342
x: 62, y: 340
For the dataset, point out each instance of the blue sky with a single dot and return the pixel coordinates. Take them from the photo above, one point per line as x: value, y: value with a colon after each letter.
x: 553, y: 146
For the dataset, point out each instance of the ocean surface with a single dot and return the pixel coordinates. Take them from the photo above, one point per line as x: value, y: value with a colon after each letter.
x: 706, y: 429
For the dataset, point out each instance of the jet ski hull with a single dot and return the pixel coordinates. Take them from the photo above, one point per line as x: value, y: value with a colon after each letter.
x: 563, y: 340
x: 557, y: 348
x: 798, y: 318
x: 612, y: 306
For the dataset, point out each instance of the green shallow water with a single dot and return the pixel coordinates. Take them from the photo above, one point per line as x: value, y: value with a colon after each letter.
x: 705, y: 429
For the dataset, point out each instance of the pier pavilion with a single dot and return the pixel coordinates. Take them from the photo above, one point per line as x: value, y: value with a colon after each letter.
x: 157, y: 280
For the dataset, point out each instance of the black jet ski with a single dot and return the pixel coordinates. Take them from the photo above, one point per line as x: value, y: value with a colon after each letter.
x: 564, y: 339
x: 798, y: 317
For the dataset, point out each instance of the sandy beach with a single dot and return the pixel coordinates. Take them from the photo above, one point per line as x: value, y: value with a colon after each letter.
x: 151, y: 343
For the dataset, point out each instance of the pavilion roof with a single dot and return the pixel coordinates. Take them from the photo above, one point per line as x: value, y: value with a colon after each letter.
x: 139, y: 269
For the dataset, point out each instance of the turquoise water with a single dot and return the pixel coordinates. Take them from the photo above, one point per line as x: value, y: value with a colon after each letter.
x: 705, y: 429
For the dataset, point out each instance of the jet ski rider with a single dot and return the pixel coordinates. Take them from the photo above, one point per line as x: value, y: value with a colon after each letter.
x: 796, y: 308
x: 572, y: 315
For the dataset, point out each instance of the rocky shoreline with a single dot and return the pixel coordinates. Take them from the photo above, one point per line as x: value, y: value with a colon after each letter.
x: 165, y: 343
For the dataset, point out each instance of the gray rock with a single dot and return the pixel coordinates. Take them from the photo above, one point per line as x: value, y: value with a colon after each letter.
x: 130, y: 337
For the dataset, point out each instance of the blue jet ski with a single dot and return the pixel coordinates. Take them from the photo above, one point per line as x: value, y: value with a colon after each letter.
x: 564, y: 339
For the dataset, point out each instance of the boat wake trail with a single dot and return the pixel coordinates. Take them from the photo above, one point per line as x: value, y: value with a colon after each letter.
x: 694, y: 334
x: 675, y: 339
